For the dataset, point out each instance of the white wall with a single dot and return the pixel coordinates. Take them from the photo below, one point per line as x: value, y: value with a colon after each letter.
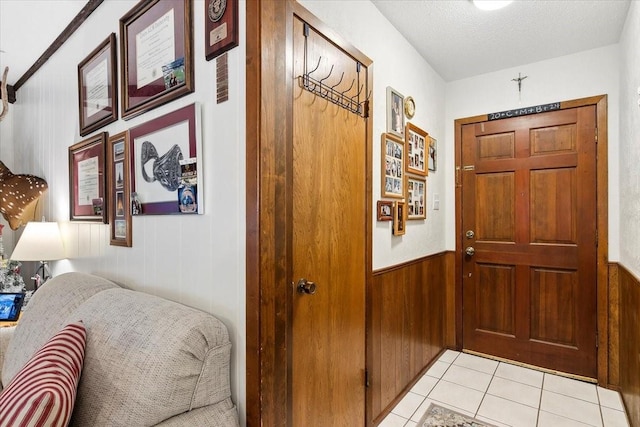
x: 397, y: 64
x: 195, y: 260
x: 629, y: 160
x: 589, y: 73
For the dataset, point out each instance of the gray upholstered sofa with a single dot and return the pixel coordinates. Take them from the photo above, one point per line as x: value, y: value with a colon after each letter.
x: 148, y: 361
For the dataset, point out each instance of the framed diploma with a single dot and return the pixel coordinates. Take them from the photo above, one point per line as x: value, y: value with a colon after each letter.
x: 119, y: 189
x: 97, y: 94
x: 221, y: 27
x: 87, y: 201
x: 156, y: 44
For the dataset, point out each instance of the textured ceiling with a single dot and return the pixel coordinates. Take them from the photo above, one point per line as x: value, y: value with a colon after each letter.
x: 453, y: 36
x: 461, y: 41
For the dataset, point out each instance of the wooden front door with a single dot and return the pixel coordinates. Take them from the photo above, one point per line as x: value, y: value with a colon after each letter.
x: 330, y: 196
x: 529, y: 239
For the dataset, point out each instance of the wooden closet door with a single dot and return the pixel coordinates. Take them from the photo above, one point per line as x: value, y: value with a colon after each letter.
x: 329, y: 242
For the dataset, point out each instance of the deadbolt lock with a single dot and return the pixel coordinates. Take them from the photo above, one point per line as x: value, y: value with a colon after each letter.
x: 470, y: 234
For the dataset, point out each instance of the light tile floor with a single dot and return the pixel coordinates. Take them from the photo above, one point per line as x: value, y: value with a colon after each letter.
x: 507, y: 395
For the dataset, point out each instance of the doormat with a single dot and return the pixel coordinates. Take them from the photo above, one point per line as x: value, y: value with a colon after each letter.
x: 438, y: 416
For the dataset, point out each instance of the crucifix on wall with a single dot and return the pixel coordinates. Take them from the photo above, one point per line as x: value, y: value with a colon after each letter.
x: 519, y: 80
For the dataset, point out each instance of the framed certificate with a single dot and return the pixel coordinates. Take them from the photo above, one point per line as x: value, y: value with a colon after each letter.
x: 97, y: 94
x: 221, y: 27
x: 87, y: 201
x: 156, y: 44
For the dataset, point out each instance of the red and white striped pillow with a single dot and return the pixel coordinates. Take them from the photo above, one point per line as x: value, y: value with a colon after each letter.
x: 44, y: 391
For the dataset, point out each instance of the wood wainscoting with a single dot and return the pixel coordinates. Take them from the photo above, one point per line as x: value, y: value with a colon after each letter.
x: 628, y: 337
x: 409, y: 306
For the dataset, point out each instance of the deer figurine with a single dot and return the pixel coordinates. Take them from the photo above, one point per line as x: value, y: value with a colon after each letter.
x: 19, y: 193
x: 19, y: 196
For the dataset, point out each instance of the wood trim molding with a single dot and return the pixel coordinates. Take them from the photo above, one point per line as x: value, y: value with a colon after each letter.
x: 602, y: 171
x: 253, y: 93
x: 602, y: 188
x: 409, y: 263
x: 268, y: 250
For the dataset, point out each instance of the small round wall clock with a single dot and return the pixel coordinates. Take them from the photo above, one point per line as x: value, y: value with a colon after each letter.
x: 409, y: 107
x: 216, y: 9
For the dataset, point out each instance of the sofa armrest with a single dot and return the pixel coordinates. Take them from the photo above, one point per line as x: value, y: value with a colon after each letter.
x: 222, y: 414
x: 5, y: 337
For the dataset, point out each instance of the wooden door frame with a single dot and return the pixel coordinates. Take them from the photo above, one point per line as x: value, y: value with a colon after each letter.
x: 269, y: 142
x: 602, y: 285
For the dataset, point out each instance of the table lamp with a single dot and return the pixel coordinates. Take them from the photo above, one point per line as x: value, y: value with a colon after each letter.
x: 40, y: 241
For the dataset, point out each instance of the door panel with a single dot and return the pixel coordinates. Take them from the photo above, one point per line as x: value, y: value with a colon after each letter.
x: 554, y: 206
x: 528, y: 194
x: 495, y: 208
x: 552, y: 319
x: 495, y: 302
x: 329, y: 244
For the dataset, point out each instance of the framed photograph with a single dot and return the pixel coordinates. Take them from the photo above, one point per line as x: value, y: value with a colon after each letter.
x: 385, y: 210
x: 97, y: 94
x: 119, y: 179
x: 166, y: 164
x: 417, y: 142
x: 87, y: 201
x: 393, y: 166
x: 399, y: 218
x: 156, y: 44
x: 395, y: 112
x: 433, y: 154
x: 416, y: 197
x: 221, y: 27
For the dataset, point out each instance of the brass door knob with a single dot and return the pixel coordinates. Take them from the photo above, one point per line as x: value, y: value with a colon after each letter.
x: 306, y: 287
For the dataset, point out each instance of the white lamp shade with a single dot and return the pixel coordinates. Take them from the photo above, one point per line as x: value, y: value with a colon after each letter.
x: 40, y: 241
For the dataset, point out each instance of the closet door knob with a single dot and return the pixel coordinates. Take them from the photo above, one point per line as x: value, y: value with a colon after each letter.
x: 306, y: 287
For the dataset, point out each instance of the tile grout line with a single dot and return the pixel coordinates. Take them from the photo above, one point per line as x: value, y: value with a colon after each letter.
x: 434, y: 386
x: 427, y: 396
x: 493, y: 375
x: 600, y: 406
x: 540, y: 399
x: 482, y: 400
x: 417, y: 408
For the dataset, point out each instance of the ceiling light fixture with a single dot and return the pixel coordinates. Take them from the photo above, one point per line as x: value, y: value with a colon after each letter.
x: 491, y: 4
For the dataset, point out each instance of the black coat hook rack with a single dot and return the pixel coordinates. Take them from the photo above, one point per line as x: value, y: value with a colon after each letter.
x: 342, y: 98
